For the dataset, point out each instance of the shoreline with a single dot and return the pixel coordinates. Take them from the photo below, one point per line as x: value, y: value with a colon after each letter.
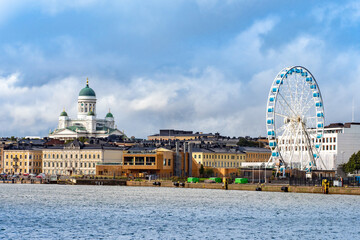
x: 240, y: 187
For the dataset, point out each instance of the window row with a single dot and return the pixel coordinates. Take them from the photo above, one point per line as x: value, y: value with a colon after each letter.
x: 70, y: 164
x: 218, y: 156
x: 60, y: 156
x: 36, y: 157
x: 221, y: 164
x: 36, y: 164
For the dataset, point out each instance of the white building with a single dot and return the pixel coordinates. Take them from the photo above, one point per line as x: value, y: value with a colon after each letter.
x: 86, y: 124
x: 339, y: 142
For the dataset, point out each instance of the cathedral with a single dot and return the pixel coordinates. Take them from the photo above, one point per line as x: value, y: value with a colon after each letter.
x: 86, y: 124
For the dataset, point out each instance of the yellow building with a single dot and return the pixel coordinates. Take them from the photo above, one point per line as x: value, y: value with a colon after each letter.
x: 20, y: 160
x: 218, y: 157
x: 78, y: 158
x: 257, y: 154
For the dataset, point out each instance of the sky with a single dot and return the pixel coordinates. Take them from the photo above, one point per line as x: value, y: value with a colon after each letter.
x: 204, y: 65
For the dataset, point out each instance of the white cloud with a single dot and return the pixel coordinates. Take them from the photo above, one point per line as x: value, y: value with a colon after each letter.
x: 347, y: 12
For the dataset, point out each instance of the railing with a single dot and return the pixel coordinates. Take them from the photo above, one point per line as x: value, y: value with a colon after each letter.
x: 351, y: 182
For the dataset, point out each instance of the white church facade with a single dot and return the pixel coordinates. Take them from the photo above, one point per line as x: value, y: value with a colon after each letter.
x: 86, y: 124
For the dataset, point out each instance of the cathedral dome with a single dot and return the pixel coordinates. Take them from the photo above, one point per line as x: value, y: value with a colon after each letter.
x: 87, y: 91
x: 63, y: 114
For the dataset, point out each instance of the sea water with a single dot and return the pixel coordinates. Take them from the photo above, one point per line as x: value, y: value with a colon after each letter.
x: 117, y: 212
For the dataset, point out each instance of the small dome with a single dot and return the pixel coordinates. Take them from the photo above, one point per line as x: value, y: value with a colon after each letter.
x: 87, y: 91
x: 109, y: 115
x: 91, y: 113
x: 63, y: 114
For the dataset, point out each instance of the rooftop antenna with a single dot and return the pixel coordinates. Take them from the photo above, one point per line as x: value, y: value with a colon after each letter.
x: 353, y: 111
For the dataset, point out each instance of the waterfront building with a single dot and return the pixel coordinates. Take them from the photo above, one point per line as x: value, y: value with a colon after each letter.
x: 171, y: 134
x: 140, y: 161
x: 2, y: 145
x: 79, y: 158
x: 218, y: 157
x: 339, y: 142
x: 86, y: 124
x: 20, y: 159
x: 255, y: 156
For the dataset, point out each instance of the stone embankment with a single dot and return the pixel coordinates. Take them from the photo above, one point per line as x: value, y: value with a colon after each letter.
x: 252, y: 187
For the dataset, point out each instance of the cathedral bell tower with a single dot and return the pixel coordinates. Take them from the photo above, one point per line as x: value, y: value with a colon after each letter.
x: 86, y: 102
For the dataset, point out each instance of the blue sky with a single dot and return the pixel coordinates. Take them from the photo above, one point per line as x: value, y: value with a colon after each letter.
x: 195, y: 65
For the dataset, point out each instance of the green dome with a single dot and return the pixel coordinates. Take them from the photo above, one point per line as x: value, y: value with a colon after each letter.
x: 91, y: 113
x: 87, y: 91
x: 63, y: 114
x: 109, y: 115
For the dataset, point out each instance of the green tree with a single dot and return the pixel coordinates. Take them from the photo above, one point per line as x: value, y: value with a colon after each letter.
x: 83, y: 139
x: 243, y: 142
x: 201, y: 170
x: 353, y: 164
x: 209, y: 172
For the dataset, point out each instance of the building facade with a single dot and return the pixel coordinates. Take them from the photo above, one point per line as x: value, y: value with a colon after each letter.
x: 339, y: 142
x: 86, y: 124
x: 78, y: 158
x: 20, y: 160
x: 141, y: 162
x: 218, y: 157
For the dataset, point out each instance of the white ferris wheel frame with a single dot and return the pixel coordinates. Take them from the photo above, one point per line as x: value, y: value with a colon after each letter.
x: 302, y: 150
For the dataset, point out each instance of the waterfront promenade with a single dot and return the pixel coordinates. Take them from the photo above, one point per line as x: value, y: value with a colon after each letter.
x: 169, y: 184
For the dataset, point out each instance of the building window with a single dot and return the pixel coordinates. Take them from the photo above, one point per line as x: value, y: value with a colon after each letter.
x: 81, y: 156
x: 98, y: 156
x: 334, y: 147
x: 199, y: 156
x: 93, y: 164
x: 70, y: 155
x: 194, y: 155
x: 164, y: 162
x: 169, y: 162
x: 334, y: 139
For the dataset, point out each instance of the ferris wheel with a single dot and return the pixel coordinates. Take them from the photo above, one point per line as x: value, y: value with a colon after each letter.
x: 295, y: 120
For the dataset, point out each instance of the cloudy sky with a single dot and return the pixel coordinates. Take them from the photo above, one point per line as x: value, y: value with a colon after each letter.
x: 193, y: 65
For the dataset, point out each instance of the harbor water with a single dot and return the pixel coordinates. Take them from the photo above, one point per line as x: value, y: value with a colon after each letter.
x: 116, y: 212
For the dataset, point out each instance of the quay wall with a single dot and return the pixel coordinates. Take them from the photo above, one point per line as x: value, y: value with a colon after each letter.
x: 252, y: 187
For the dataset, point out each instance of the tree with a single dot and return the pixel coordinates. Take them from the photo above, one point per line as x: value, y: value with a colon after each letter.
x: 243, y: 142
x: 201, y: 170
x: 353, y: 164
x: 209, y: 172
x: 83, y: 139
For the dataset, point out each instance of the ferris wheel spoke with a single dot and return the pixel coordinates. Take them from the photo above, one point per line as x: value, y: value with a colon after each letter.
x: 286, y: 103
x: 281, y: 115
x: 283, y: 109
